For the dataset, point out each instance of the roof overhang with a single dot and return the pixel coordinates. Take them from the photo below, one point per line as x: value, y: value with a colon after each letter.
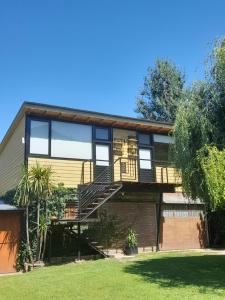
x: 84, y: 116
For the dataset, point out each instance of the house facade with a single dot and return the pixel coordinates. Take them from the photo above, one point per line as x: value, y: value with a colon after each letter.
x: 118, y: 164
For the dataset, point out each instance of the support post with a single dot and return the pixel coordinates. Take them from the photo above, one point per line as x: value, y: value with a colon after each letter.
x: 50, y: 245
x: 78, y: 242
x: 159, y: 220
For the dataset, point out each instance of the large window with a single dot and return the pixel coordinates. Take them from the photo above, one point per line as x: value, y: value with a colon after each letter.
x: 39, y: 137
x: 71, y: 140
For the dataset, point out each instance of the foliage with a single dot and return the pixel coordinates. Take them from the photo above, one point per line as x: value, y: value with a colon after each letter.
x: 199, y: 133
x: 23, y: 196
x: 131, y: 239
x: 192, y: 131
x: 162, y: 92
x: 9, y: 197
x: 58, y: 199
x: 108, y: 230
x: 217, y: 81
x: 212, y: 162
x: 42, y: 201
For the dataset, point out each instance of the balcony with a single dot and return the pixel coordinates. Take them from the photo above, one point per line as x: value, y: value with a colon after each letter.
x: 125, y: 169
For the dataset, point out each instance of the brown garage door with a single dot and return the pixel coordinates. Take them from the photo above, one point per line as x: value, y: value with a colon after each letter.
x: 182, y: 229
x: 9, y: 239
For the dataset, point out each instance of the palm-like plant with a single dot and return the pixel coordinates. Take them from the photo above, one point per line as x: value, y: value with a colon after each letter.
x: 23, y: 198
x: 41, y: 188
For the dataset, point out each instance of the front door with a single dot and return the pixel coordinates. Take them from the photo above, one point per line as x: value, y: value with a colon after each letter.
x: 102, y: 169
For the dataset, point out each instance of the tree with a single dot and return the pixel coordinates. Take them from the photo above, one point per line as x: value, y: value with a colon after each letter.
x: 199, y: 135
x: 213, y: 165
x: 23, y: 198
x: 162, y: 92
x: 217, y: 80
x: 191, y: 133
x: 41, y: 188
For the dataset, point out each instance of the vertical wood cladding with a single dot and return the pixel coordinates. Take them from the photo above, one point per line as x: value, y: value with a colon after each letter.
x: 11, y: 159
x: 140, y: 216
x: 182, y: 232
x: 9, y: 240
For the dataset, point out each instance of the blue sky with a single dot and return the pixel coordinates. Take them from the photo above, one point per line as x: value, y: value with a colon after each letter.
x: 94, y: 54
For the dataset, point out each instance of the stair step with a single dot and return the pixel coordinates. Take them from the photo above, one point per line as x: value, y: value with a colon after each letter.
x: 99, y: 247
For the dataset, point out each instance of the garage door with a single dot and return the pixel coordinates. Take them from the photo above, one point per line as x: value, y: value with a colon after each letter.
x: 9, y: 240
x: 182, y: 229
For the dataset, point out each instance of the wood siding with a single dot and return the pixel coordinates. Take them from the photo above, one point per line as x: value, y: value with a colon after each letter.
x: 10, y: 222
x: 183, y: 228
x: 167, y: 175
x: 11, y: 159
x: 65, y: 171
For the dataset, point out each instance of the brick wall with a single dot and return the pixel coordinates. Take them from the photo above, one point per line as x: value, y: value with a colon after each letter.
x: 140, y: 216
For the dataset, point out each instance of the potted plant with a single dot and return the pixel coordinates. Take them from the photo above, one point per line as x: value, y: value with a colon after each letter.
x: 131, y: 243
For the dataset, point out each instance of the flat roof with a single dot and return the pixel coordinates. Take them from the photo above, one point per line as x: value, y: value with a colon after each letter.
x: 86, y: 116
x: 8, y: 207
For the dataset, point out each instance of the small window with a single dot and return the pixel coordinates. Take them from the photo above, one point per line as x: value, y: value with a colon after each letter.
x: 145, y: 159
x: 102, y: 133
x: 144, y: 139
x: 102, y: 155
x: 39, y: 138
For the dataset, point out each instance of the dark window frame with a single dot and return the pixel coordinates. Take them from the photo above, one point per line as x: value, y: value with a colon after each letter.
x: 28, y: 136
x: 94, y: 137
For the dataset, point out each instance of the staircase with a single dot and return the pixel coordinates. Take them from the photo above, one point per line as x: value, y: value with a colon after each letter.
x: 96, y: 246
x: 96, y: 193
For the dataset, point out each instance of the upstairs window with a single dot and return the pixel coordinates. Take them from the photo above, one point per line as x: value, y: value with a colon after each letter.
x: 102, y: 133
x: 144, y: 139
x: 71, y: 140
x: 39, y: 137
x: 145, y: 159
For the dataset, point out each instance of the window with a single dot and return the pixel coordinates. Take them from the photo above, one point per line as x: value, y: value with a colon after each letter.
x: 102, y: 155
x: 39, y: 135
x: 71, y: 140
x: 145, y: 158
x: 101, y: 133
x: 160, y: 138
x: 144, y: 139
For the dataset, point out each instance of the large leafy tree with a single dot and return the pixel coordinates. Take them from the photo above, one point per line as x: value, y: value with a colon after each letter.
x: 162, y: 92
x: 217, y: 81
x: 199, y: 135
x: 191, y: 133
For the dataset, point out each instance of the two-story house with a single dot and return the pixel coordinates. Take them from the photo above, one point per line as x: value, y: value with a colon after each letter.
x: 121, y: 163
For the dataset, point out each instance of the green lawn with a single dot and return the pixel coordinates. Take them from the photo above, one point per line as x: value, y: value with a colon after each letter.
x: 154, y: 276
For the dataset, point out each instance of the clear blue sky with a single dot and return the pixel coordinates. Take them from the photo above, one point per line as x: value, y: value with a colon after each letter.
x: 94, y: 54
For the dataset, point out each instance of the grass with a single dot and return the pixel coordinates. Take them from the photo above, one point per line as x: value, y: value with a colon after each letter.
x: 153, y: 276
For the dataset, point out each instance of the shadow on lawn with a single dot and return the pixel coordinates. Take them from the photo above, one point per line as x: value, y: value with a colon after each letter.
x: 205, y: 272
